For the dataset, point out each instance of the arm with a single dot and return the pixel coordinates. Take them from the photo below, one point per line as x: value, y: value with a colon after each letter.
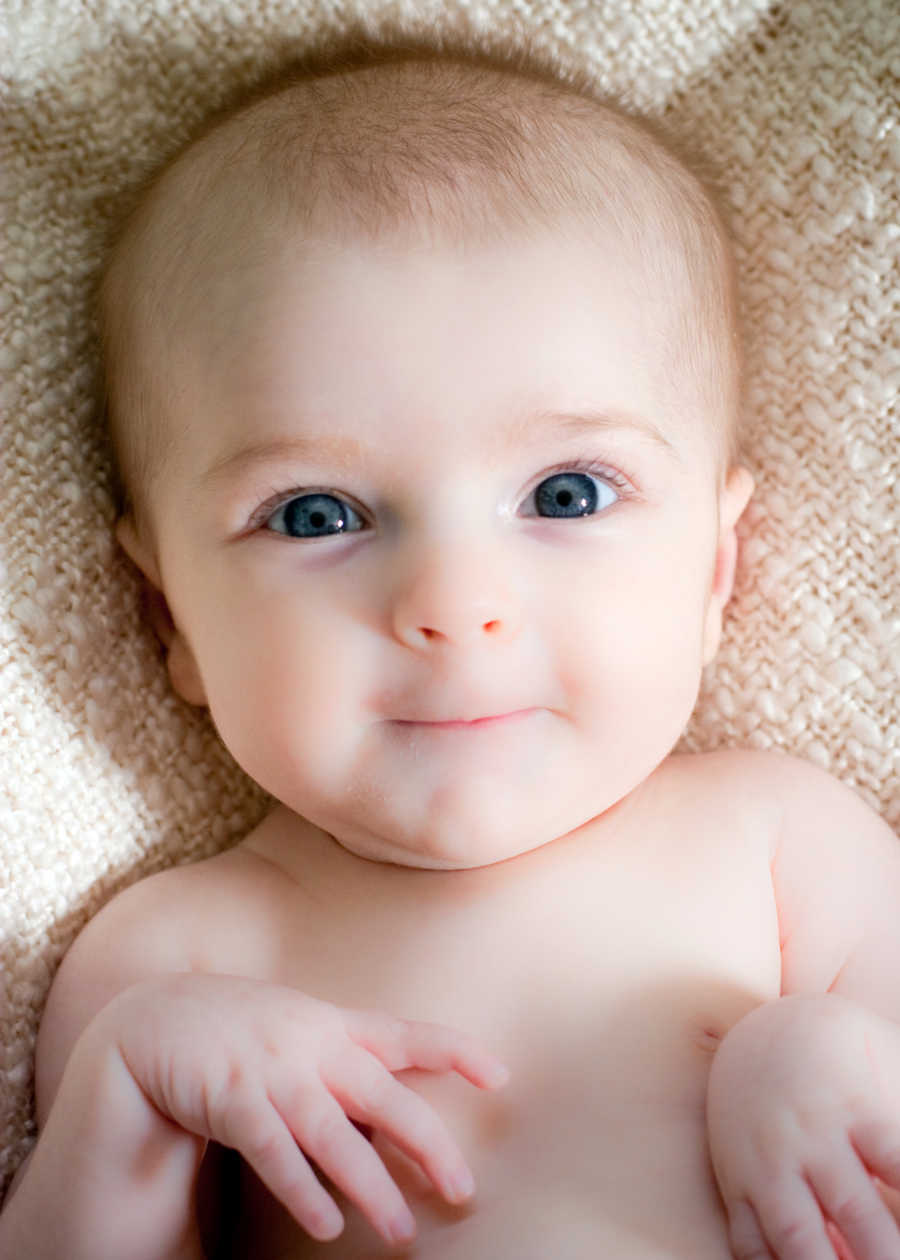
x: 836, y: 877
x: 106, y: 1165
x: 175, y: 1059
x: 85, y: 1137
x: 804, y: 1094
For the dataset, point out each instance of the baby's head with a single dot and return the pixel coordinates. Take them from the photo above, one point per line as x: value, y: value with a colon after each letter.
x: 423, y: 380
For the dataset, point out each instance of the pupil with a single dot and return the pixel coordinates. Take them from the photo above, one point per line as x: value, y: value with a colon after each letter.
x: 564, y: 498
x: 317, y: 519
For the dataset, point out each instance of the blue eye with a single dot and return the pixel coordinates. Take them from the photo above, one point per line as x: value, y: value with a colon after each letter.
x: 569, y: 494
x: 314, y: 516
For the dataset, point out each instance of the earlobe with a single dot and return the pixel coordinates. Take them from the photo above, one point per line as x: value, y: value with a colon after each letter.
x: 180, y: 660
x: 183, y: 671
x: 733, y: 499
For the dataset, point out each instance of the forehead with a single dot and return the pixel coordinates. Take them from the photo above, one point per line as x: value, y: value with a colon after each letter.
x: 359, y: 336
x: 226, y: 206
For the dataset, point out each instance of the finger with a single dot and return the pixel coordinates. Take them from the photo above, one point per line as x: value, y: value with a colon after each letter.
x: 401, y: 1043
x: 792, y: 1222
x: 351, y: 1162
x: 879, y: 1150
x: 266, y: 1143
x: 367, y: 1091
x: 841, y: 1250
x: 849, y: 1197
x: 744, y: 1234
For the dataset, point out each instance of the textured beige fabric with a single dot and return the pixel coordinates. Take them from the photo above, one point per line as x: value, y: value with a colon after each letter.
x: 105, y: 774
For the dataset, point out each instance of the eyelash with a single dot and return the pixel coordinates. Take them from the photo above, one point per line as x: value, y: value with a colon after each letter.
x: 604, y: 472
x: 619, y: 480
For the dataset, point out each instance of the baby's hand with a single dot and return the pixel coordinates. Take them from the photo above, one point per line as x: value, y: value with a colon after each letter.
x: 803, y: 1113
x: 279, y: 1076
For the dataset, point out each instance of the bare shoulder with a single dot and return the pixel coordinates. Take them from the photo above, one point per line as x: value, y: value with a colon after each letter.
x: 747, y: 785
x: 816, y: 813
x: 794, y: 809
x: 773, y: 783
x: 833, y: 864
x: 175, y: 920
x: 835, y: 871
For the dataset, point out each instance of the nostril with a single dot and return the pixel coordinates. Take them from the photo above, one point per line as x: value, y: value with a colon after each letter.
x: 428, y: 634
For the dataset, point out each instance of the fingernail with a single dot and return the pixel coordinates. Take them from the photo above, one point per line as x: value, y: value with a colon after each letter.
x: 327, y: 1224
x: 403, y: 1227
x: 461, y: 1185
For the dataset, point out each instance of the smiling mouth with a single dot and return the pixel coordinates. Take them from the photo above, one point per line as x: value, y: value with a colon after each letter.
x: 460, y: 724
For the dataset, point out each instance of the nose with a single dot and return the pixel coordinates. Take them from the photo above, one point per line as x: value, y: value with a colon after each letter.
x: 454, y: 595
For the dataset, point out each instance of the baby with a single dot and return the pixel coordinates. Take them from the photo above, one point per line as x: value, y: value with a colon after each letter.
x: 423, y: 379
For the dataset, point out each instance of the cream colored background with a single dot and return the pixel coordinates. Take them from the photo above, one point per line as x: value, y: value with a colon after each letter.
x: 105, y: 774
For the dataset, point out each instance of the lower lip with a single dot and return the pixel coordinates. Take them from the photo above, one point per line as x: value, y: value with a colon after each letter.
x: 477, y: 724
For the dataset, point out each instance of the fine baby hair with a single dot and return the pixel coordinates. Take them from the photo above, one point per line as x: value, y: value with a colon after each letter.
x: 377, y: 140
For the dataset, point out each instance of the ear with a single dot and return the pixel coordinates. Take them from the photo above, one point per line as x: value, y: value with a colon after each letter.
x: 180, y: 660
x: 733, y: 498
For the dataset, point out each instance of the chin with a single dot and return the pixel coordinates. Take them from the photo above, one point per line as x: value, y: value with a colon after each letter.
x: 463, y: 837
x: 468, y: 839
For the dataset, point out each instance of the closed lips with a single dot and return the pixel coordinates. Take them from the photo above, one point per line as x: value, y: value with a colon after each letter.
x: 453, y: 723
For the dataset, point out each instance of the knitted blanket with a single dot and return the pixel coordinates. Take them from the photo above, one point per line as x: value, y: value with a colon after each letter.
x: 106, y: 775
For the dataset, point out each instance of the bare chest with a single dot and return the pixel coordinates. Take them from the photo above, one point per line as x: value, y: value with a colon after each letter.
x: 605, y: 984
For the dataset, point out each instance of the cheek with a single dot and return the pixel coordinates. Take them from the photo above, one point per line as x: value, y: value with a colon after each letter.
x: 282, y: 685
x: 634, y: 650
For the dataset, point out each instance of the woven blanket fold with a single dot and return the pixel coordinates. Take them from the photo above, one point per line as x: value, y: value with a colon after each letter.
x: 106, y: 775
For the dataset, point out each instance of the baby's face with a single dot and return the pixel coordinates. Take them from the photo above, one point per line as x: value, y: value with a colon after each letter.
x: 439, y: 539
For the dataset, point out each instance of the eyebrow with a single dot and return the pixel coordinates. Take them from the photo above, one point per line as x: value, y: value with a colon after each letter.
x: 586, y: 422
x: 343, y: 451
x: 340, y: 451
